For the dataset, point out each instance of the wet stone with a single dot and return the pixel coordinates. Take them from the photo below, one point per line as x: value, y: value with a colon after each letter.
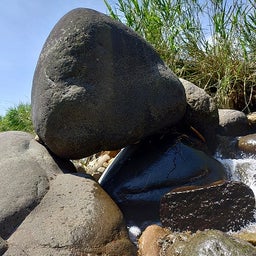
x: 143, y: 173
x: 247, y: 143
x: 224, y: 205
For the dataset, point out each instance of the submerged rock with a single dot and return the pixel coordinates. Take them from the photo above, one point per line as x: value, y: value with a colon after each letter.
x: 142, y: 173
x: 224, y: 205
x: 99, y: 86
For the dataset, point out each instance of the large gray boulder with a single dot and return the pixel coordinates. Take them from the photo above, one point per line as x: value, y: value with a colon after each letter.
x: 202, y: 113
x: 76, y: 217
x: 26, y: 169
x: 98, y: 85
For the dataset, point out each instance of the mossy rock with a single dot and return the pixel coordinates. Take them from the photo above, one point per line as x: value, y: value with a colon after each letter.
x: 210, y: 243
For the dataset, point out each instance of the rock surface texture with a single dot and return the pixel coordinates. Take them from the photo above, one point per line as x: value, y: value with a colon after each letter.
x: 247, y: 143
x: 76, y: 217
x: 143, y: 173
x: 223, y: 205
x: 233, y: 123
x: 92, y: 77
x: 202, y: 113
x: 3, y: 246
x: 157, y: 241
x: 209, y: 242
x: 26, y: 169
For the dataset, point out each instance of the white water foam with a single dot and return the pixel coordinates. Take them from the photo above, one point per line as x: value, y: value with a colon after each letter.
x: 242, y: 169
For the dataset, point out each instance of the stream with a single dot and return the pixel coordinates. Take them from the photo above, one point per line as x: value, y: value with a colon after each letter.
x: 241, y: 168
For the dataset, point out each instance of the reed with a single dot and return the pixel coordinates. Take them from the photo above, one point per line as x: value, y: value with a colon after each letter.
x: 17, y: 118
x: 210, y: 43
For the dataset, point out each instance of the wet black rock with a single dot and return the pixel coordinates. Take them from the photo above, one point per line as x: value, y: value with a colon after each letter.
x: 224, y: 205
x: 142, y: 173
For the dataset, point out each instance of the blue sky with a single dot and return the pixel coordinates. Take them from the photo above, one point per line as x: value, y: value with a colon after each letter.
x: 24, y: 27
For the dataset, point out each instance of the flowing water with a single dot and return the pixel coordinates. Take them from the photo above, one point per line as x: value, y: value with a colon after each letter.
x: 242, y: 168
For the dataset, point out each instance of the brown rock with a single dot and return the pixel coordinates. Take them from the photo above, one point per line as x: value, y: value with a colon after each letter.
x: 148, y: 242
x: 76, y: 217
x: 224, y: 205
x: 248, y: 235
x: 252, y: 119
x: 248, y: 143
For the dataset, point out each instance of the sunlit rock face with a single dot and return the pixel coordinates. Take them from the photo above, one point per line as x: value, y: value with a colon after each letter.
x: 26, y: 171
x: 142, y: 173
x: 76, y: 217
x: 224, y: 205
x: 99, y: 86
x: 201, y: 113
x: 233, y: 123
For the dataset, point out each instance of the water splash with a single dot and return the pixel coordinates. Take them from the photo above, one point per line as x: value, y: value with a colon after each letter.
x: 243, y: 169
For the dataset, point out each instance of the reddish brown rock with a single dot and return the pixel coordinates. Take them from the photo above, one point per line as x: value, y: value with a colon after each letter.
x: 224, y: 205
x: 247, y: 143
x: 148, y: 242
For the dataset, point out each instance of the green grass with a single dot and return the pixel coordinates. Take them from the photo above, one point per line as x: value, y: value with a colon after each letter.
x: 210, y: 43
x: 17, y: 118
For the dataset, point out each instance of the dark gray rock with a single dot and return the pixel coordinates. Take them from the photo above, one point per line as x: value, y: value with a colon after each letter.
x: 233, y: 123
x: 76, y: 217
x: 98, y: 86
x: 202, y: 113
x: 3, y: 246
x: 143, y: 173
x: 26, y: 169
x: 225, y: 205
x: 209, y: 242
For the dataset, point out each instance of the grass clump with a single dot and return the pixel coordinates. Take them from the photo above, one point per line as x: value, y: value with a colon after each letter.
x: 17, y: 118
x: 210, y: 43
